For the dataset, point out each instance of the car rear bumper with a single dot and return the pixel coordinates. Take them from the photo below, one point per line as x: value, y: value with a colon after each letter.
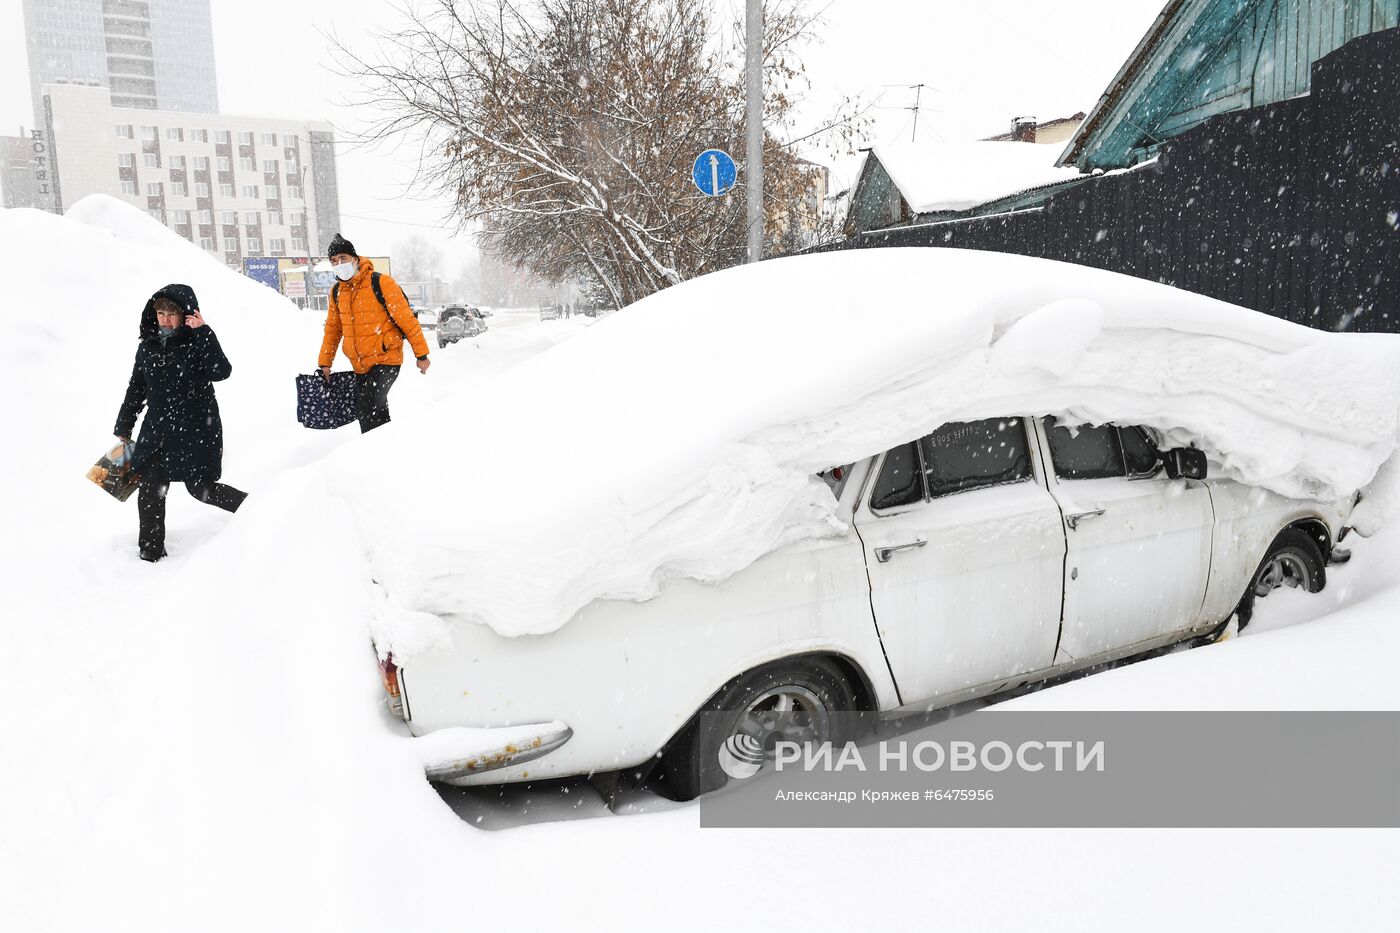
x: 454, y: 755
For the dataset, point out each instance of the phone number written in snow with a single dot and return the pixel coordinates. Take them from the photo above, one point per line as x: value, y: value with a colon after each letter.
x: 931, y: 794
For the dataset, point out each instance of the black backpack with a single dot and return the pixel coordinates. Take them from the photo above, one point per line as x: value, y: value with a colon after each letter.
x: 378, y: 293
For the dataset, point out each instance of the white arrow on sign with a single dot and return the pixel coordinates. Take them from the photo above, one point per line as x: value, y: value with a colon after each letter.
x: 714, y: 173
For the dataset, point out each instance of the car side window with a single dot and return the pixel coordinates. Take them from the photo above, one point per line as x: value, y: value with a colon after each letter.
x: 1139, y: 453
x: 900, y: 481
x: 973, y: 454
x: 1084, y: 451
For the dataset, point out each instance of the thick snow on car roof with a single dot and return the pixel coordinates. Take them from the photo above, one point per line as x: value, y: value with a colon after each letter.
x: 679, y: 437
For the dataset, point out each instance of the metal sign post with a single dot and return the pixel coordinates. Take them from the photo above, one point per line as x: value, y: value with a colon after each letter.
x: 753, y: 162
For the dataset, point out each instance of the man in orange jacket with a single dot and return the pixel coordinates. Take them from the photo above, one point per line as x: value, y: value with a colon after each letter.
x: 370, y: 317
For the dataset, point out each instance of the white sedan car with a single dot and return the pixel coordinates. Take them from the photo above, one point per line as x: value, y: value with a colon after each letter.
x: 981, y: 558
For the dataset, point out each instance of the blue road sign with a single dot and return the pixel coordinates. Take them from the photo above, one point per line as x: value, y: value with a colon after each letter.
x: 714, y: 172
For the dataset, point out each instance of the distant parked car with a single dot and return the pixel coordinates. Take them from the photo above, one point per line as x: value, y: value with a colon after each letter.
x: 427, y: 319
x: 456, y: 322
x: 551, y: 312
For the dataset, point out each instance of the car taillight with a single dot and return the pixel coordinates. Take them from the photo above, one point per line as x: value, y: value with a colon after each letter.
x: 389, y: 673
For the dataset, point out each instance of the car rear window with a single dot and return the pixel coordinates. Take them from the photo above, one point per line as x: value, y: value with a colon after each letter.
x: 971, y: 454
x: 899, y: 482
x: 1084, y: 451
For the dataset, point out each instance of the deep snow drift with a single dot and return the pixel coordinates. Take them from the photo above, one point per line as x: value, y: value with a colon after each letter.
x: 679, y: 438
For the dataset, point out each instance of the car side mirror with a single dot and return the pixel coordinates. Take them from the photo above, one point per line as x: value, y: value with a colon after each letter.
x: 1185, y: 463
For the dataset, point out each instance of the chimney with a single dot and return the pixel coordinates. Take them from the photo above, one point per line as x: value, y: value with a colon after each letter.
x: 1023, y: 130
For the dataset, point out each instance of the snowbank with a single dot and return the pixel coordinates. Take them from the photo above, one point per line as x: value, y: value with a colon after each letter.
x: 679, y: 437
x: 936, y: 176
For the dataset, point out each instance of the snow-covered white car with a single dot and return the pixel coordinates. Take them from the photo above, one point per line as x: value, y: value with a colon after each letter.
x: 983, y: 557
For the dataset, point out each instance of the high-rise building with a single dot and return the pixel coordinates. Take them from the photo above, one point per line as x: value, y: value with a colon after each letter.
x: 239, y: 187
x: 151, y: 54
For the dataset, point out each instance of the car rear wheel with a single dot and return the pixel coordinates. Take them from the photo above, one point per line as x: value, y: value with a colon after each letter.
x: 792, y: 700
x: 1293, y: 560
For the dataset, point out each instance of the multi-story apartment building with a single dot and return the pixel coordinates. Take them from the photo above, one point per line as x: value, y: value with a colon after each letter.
x: 151, y: 54
x: 238, y: 187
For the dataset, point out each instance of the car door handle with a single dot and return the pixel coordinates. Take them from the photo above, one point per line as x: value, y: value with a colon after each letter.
x: 1074, y: 518
x: 883, y: 554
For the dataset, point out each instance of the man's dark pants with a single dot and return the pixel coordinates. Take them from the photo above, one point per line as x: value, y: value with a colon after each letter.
x: 150, y: 502
x: 372, y: 396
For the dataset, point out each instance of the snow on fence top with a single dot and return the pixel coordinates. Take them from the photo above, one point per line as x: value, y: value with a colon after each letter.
x: 679, y: 437
x: 960, y: 176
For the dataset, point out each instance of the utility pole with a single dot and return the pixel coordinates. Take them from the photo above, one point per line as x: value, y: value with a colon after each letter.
x: 753, y: 160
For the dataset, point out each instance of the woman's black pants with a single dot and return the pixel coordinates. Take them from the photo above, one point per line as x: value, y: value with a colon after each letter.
x: 372, y: 396
x: 150, y: 503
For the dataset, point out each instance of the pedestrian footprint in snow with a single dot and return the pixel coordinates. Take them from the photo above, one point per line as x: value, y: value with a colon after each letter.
x: 370, y: 317
x: 182, y: 439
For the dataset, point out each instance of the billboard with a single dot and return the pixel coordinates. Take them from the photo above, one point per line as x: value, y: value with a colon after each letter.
x: 263, y: 269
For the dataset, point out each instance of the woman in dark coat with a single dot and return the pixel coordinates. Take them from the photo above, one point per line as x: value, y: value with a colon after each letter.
x: 182, y: 440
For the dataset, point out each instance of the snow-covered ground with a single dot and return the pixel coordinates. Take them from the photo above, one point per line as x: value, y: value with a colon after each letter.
x: 202, y: 744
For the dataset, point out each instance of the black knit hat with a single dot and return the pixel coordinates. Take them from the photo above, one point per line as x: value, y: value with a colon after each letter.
x: 341, y: 245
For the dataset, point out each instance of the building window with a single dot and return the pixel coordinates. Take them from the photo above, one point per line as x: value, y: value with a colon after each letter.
x: 272, y: 194
x: 289, y: 141
x: 270, y: 166
x: 228, y: 218
x: 153, y: 160
x: 277, y: 246
x: 289, y: 154
x: 250, y: 191
x: 126, y: 159
x: 221, y: 137
x: 274, y: 218
x: 298, y: 245
x: 128, y: 187
x: 150, y: 132
x: 199, y: 136
x: 177, y: 162
x: 245, y: 139
x: 180, y: 217
x: 299, y: 219
x: 226, y: 191
x: 178, y: 189
x: 206, y: 243
x: 124, y: 131
x: 153, y: 189
x: 225, y: 164
x: 248, y: 165
x: 206, y: 217
x: 175, y: 134
x: 269, y: 139
x: 294, y: 191
x: 254, y: 245
x: 201, y: 163
x: 201, y: 189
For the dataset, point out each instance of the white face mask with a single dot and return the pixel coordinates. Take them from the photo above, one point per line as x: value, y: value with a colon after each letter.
x: 345, y: 271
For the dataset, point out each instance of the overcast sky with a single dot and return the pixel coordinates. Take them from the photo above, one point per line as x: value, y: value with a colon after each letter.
x: 982, y: 63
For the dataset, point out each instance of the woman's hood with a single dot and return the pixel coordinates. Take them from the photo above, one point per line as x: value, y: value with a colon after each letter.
x: 182, y: 295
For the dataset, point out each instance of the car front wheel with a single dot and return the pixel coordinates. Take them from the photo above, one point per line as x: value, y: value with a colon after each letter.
x: 1293, y: 560
x: 793, y: 700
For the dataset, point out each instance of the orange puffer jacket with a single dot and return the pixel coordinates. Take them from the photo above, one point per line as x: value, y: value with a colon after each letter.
x: 370, y: 337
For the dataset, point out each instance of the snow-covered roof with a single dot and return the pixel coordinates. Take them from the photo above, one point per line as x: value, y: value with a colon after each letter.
x: 939, y: 176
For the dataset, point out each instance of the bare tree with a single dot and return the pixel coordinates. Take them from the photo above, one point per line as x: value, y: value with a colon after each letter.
x: 416, y: 259
x: 566, y: 129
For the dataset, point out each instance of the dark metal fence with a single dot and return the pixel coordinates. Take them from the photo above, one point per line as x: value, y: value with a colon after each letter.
x: 1292, y: 209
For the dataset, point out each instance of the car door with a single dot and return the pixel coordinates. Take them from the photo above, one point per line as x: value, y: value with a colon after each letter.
x: 1139, y: 542
x: 965, y: 550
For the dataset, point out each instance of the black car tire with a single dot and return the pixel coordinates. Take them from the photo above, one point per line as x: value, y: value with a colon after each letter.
x: 1299, y: 556
x: 692, y: 760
